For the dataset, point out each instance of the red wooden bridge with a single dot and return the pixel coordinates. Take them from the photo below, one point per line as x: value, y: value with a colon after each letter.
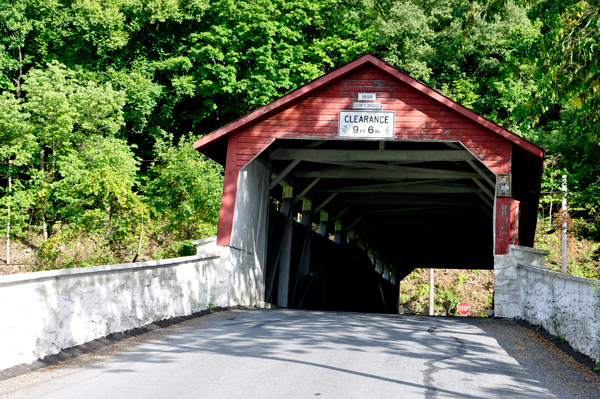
x: 326, y: 212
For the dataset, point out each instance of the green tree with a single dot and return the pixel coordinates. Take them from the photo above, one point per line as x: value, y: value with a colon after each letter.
x: 184, y: 192
x: 567, y: 59
x: 15, y: 154
x: 63, y: 114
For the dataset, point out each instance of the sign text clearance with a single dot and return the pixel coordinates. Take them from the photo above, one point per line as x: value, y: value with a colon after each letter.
x: 463, y: 308
x: 366, y: 124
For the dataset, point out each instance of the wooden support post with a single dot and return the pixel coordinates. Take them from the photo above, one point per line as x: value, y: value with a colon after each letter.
x: 393, y: 276
x: 286, y: 200
x: 306, y: 212
x: 324, y: 218
x: 304, y: 264
x: 350, y: 237
x: 378, y: 264
x: 371, y: 255
x: 285, y: 260
x: 386, y: 270
x: 339, y: 232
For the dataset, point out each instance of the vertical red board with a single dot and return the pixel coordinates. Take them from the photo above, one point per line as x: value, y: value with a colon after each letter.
x: 515, y: 213
x: 230, y: 182
x: 502, y: 227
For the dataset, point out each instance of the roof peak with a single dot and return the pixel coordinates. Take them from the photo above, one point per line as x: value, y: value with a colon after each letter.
x: 304, y: 91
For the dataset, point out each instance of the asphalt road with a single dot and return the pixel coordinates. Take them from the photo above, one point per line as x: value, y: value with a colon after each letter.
x: 304, y: 354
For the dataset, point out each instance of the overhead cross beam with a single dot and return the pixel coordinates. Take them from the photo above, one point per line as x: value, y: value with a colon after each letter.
x: 292, y: 165
x: 400, y: 172
x: 405, y: 200
x: 370, y: 155
x: 417, y: 187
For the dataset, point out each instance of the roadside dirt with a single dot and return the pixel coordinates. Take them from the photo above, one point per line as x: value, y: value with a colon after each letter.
x: 452, y: 286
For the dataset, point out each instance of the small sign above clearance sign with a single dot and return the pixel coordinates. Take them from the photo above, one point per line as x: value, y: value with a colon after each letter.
x: 366, y: 124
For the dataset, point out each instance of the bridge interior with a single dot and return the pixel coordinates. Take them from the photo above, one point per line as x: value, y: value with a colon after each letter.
x: 349, y: 219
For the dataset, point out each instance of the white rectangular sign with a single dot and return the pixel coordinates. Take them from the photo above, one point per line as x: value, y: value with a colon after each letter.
x: 374, y: 105
x: 366, y: 124
x: 367, y: 96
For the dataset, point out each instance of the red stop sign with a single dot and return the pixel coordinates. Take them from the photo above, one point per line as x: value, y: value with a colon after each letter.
x: 463, y: 308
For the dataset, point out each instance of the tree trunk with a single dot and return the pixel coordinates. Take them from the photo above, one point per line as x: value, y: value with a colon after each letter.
x: 43, y: 170
x: 17, y: 79
x: 140, y: 242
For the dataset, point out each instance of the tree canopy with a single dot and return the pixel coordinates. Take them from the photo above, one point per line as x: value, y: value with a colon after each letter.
x: 101, y: 99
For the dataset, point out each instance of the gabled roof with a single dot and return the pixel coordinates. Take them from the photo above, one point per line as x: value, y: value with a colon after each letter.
x: 331, y: 77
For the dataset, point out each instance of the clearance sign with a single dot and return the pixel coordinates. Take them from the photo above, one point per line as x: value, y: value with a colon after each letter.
x: 366, y: 124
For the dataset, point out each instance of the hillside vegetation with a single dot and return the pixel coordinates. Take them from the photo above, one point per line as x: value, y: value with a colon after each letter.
x: 100, y: 101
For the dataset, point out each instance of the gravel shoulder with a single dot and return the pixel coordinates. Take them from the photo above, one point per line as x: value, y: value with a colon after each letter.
x: 558, y: 372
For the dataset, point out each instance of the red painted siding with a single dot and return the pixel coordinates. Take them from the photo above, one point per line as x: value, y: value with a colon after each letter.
x: 418, y: 118
x: 230, y: 181
x: 502, y: 226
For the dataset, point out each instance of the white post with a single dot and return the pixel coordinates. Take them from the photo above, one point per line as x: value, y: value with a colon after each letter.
x: 551, y: 203
x: 430, y: 292
x: 564, y: 224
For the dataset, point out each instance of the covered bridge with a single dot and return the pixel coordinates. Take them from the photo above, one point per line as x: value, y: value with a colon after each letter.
x: 338, y: 190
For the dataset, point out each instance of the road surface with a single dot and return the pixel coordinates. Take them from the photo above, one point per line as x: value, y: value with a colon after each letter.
x: 306, y: 354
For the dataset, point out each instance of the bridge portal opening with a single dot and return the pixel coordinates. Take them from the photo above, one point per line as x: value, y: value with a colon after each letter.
x: 350, y: 219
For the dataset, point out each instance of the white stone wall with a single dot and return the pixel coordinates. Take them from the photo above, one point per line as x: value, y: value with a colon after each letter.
x: 523, y: 289
x: 574, y: 304
x: 507, y: 293
x: 42, y: 313
x: 249, y: 229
